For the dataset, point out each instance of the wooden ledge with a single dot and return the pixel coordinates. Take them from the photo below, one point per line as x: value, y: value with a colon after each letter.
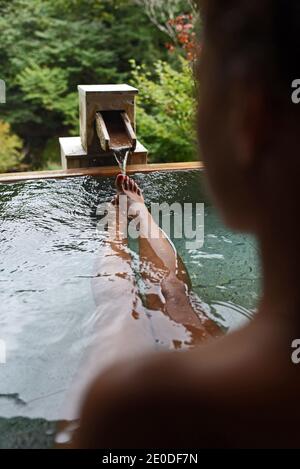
x: 98, y: 172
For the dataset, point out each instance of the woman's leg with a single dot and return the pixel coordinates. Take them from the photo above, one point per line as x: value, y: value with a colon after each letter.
x: 164, y: 269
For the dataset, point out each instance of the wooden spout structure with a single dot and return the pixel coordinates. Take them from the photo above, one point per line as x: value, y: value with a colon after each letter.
x: 107, y: 124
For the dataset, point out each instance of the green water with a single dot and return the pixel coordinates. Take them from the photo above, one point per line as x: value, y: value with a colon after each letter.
x: 48, y: 245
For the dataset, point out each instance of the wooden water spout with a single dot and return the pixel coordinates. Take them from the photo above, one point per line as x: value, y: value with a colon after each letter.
x: 115, y: 131
x: 107, y: 126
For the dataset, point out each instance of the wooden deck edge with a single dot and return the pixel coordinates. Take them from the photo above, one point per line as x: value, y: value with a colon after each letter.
x: 99, y: 171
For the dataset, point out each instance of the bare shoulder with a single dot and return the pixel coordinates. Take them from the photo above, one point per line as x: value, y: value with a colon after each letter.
x: 214, y: 396
x: 124, y: 403
x: 159, y: 400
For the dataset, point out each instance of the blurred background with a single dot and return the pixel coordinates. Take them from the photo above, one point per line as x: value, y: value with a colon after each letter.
x: 48, y: 47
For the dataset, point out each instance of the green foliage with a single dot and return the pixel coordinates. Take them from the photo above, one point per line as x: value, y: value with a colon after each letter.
x: 48, y: 47
x: 165, y: 114
x: 50, y: 157
x: 48, y: 88
x: 10, y: 148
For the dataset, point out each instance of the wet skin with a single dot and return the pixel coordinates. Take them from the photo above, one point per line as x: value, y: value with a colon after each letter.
x: 154, y: 247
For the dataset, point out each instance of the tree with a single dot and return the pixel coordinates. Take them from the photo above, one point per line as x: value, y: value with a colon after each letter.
x: 160, y: 12
x: 10, y: 148
x: 166, y: 110
x: 48, y: 47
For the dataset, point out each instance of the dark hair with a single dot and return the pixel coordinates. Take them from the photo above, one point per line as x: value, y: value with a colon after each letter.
x: 261, y: 36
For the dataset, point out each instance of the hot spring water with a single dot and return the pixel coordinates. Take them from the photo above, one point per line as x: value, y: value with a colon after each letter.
x: 48, y: 246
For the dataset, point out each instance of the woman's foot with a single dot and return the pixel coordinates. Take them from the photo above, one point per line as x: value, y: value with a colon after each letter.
x: 126, y: 185
x: 135, y: 200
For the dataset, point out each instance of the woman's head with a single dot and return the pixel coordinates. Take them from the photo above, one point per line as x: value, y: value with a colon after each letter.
x: 248, y: 124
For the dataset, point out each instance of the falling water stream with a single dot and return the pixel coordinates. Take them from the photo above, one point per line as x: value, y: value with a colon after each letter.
x: 121, y: 156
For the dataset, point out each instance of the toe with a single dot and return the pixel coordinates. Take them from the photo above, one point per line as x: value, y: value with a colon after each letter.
x: 135, y: 187
x: 126, y: 183
x: 119, y: 182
